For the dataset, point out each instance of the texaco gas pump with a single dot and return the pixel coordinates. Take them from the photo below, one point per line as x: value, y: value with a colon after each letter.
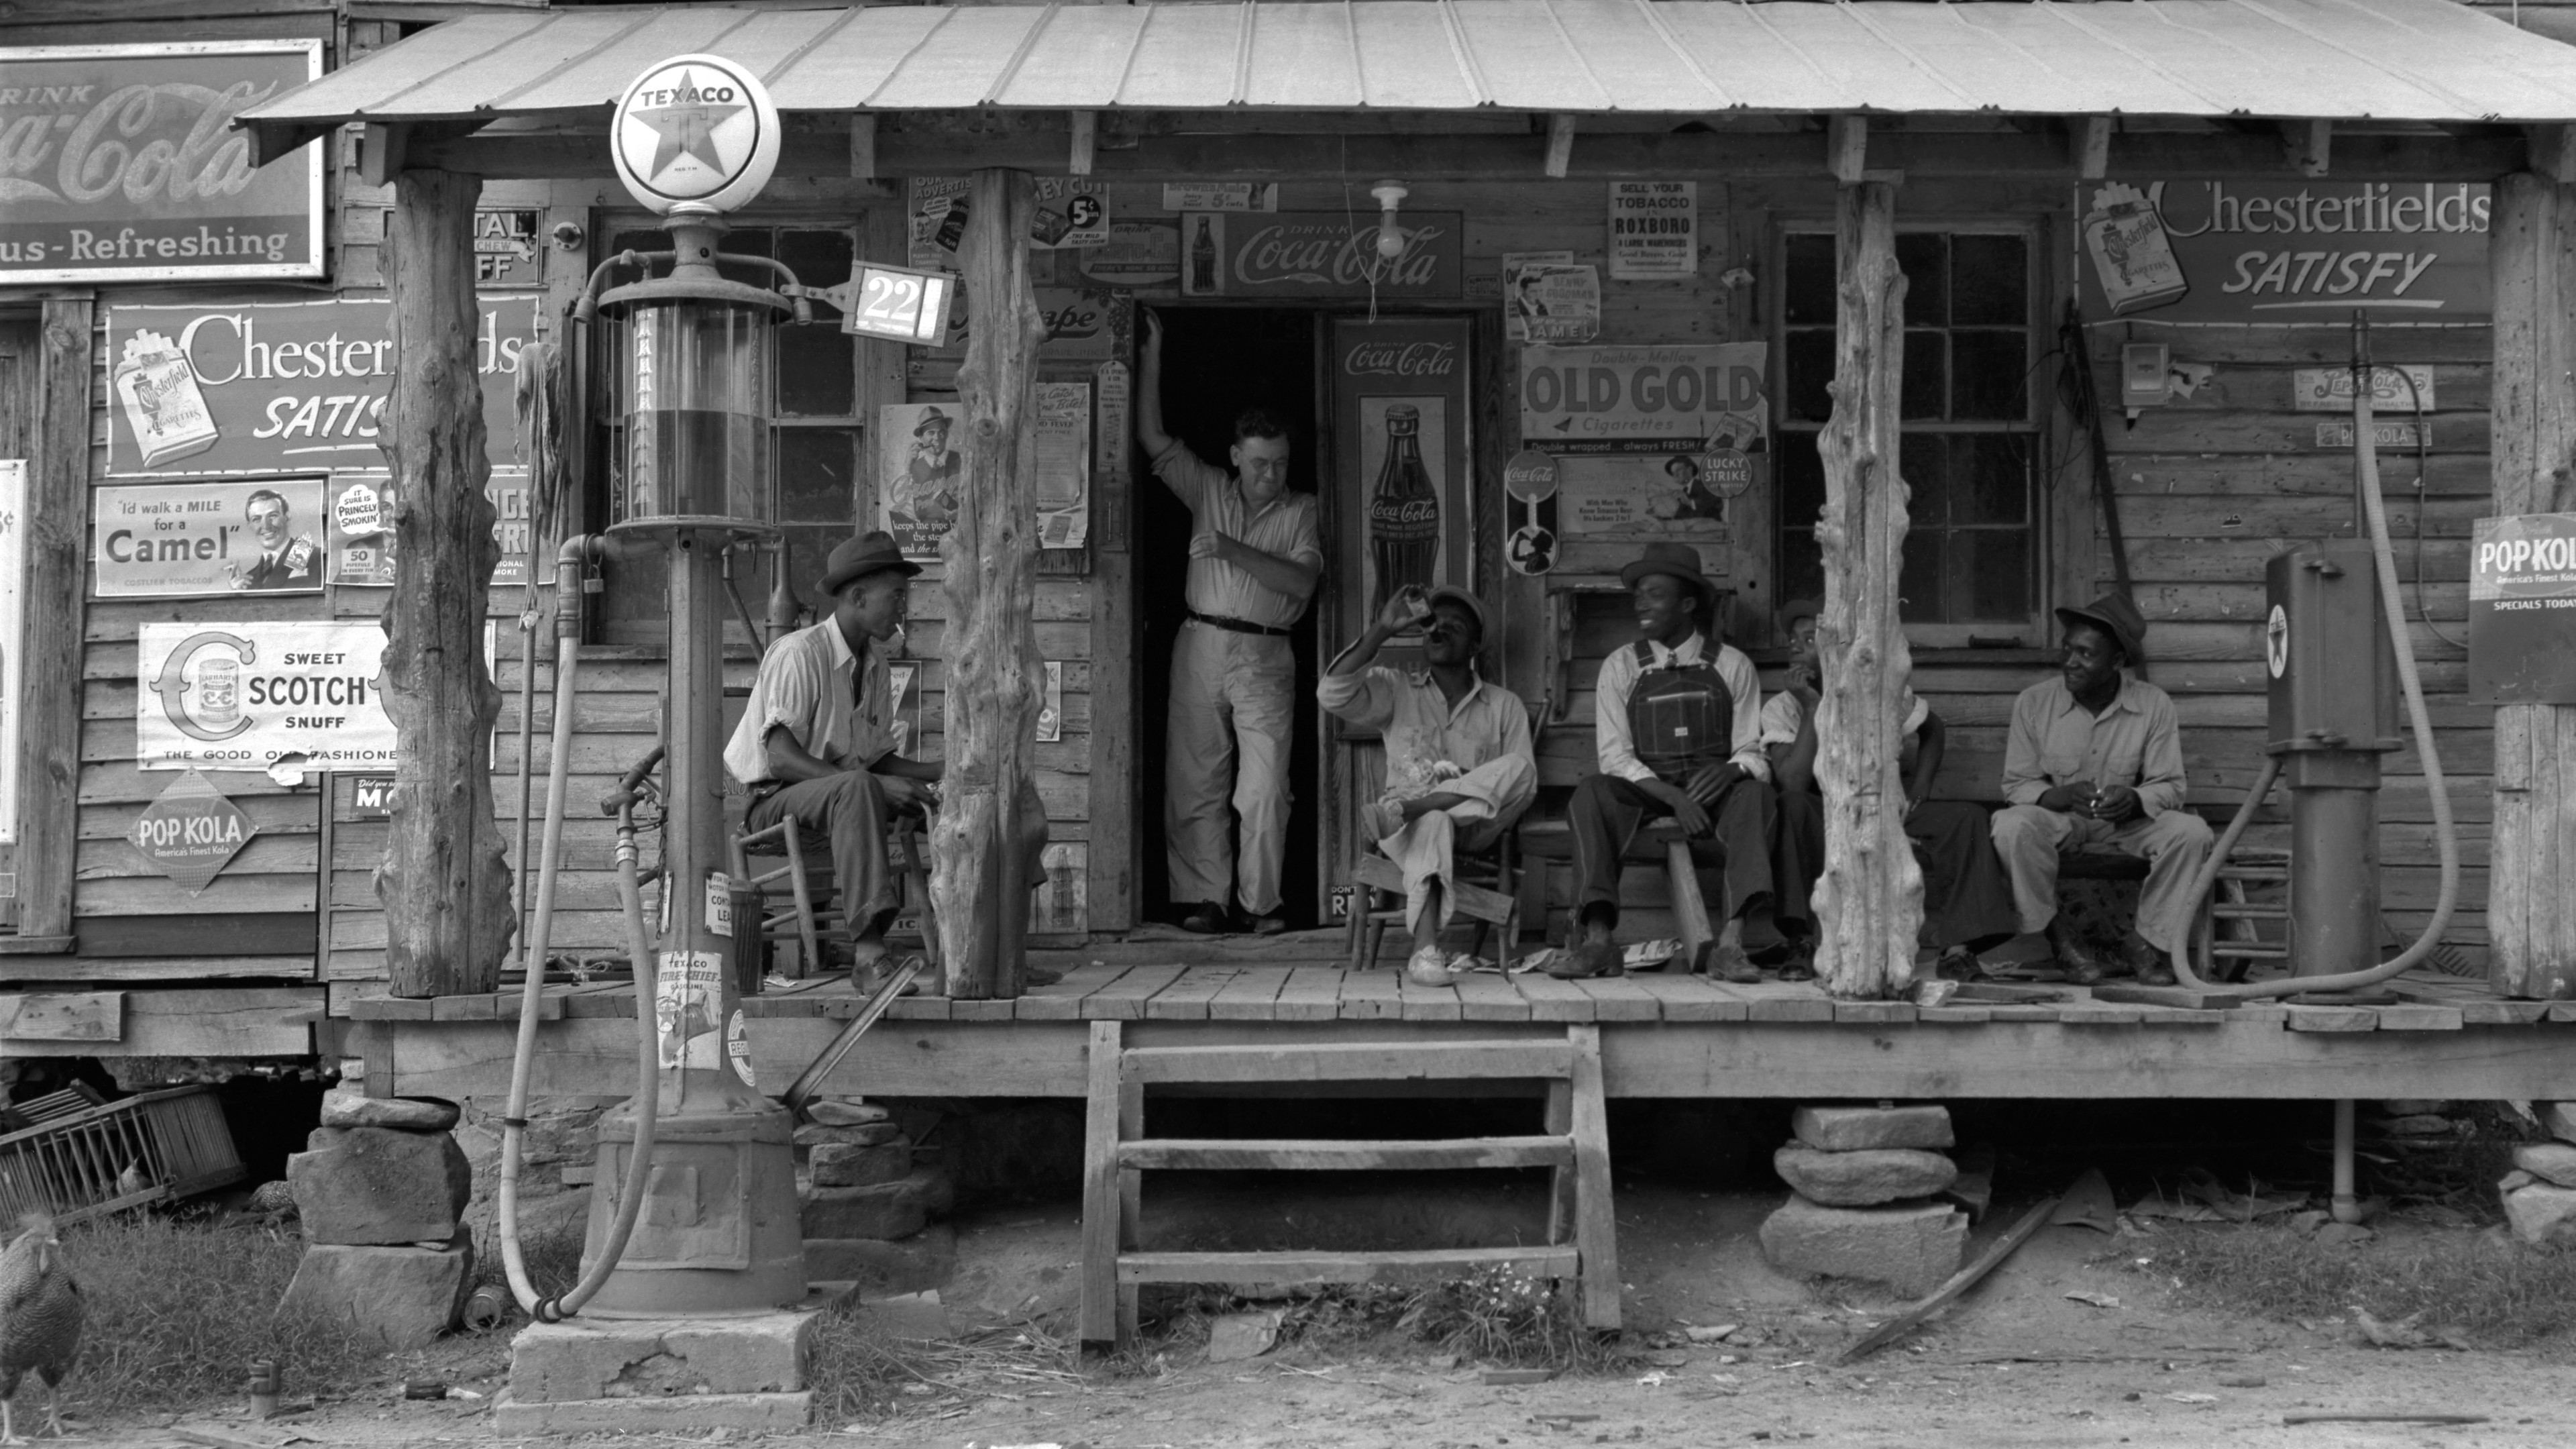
x: 695, y: 137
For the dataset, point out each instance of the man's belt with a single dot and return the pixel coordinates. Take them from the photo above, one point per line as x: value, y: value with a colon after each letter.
x: 1239, y: 626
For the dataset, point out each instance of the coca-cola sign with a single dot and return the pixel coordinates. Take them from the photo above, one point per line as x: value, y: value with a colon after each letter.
x: 1401, y: 359
x: 118, y: 163
x: 1319, y: 254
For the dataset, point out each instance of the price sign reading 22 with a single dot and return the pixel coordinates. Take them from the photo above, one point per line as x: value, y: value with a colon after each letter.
x: 896, y: 303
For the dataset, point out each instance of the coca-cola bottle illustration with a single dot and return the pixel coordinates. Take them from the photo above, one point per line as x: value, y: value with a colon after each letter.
x: 1404, y: 513
x: 1203, y: 261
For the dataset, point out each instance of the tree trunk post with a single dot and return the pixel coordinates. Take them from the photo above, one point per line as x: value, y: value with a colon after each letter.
x: 445, y: 888
x: 990, y: 574
x: 2531, y: 254
x: 1869, y: 903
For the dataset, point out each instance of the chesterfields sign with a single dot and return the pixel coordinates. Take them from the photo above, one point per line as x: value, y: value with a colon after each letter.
x: 118, y: 163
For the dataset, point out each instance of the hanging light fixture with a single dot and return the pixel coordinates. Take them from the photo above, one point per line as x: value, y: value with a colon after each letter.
x: 1390, y: 237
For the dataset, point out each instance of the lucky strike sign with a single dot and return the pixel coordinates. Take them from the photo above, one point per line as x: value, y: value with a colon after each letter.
x: 280, y: 386
x: 118, y: 163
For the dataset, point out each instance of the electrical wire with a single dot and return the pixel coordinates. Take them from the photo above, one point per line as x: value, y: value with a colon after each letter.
x: 2423, y: 511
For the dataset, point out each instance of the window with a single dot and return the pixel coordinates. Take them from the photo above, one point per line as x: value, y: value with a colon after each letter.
x: 816, y: 432
x: 1971, y: 447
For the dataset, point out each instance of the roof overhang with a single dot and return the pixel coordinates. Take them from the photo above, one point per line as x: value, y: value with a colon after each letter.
x: 985, y: 82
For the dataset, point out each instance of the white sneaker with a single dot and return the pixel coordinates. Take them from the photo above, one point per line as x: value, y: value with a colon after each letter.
x: 1429, y: 966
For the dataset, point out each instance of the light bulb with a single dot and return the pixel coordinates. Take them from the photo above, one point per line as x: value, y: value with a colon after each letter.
x: 1390, y: 237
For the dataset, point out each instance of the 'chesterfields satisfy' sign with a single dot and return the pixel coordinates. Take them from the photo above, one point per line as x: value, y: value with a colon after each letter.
x: 118, y: 163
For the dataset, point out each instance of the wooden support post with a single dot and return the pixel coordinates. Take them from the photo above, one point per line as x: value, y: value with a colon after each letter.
x: 2553, y: 151
x: 445, y: 888
x: 1560, y: 145
x: 1086, y: 132
x: 1847, y: 148
x: 2531, y: 256
x: 2092, y: 145
x: 1869, y: 903
x: 2311, y: 145
x: 990, y: 573
x: 49, y: 731
x: 863, y: 146
x: 380, y: 152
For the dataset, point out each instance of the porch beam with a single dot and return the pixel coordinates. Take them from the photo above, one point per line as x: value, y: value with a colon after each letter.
x: 2310, y: 145
x: 2091, y: 142
x: 990, y: 577
x: 1869, y: 902
x: 1847, y: 148
x: 1086, y: 130
x: 1560, y: 145
x: 863, y: 146
x: 2553, y: 152
x: 443, y: 884
x: 2531, y: 255
x: 583, y: 155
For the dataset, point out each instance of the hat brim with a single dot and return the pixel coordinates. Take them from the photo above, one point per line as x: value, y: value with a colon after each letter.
x: 1644, y: 568
x: 1474, y: 606
x: 2130, y: 644
x: 841, y: 578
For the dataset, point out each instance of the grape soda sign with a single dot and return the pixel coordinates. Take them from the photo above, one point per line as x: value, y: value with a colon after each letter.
x: 119, y: 163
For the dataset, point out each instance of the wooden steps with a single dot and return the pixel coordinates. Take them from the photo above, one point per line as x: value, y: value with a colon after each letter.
x: 1574, y: 1146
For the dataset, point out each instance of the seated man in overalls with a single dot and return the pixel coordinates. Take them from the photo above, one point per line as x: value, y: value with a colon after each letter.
x: 1677, y: 720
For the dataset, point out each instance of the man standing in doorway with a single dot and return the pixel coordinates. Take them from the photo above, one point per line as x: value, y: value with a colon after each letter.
x: 1254, y: 562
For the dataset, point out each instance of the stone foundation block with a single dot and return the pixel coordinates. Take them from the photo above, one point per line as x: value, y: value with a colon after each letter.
x: 888, y: 1210
x: 2560, y: 1119
x: 684, y: 1414
x: 360, y: 1186
x: 401, y: 1297
x: 869, y: 1134
x: 842, y: 1164
x: 1911, y: 1248
x: 925, y: 1260
x: 1866, y: 1177
x: 2542, y: 1214
x: 2552, y: 1162
x: 343, y: 1107
x: 657, y: 1358
x: 1853, y: 1129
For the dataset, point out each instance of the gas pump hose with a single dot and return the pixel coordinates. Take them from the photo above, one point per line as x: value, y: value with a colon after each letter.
x: 514, y: 1124
x: 2446, y: 837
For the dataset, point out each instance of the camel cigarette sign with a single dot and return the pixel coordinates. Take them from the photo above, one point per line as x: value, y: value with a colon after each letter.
x: 242, y: 696
x: 119, y: 163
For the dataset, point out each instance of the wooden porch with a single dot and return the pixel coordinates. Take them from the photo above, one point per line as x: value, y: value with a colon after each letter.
x: 1662, y: 1035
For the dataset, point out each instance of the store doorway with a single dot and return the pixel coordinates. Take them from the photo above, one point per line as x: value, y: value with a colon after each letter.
x: 1217, y: 361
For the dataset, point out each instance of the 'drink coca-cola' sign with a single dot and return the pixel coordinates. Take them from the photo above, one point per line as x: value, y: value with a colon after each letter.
x: 1319, y: 254
x: 118, y: 163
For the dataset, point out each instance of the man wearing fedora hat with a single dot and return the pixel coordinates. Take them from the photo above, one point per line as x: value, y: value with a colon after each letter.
x: 1459, y: 767
x: 2093, y: 761
x: 1678, y: 725
x: 817, y: 739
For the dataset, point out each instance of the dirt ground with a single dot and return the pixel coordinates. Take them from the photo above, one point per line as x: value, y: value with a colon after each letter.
x: 2017, y: 1363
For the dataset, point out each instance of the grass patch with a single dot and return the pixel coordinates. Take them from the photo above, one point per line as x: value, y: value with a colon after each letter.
x: 1493, y: 1317
x: 177, y: 1309
x: 862, y: 1375
x: 2502, y: 1294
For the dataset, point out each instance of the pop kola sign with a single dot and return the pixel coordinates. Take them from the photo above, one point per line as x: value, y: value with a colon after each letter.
x: 281, y: 387
x: 119, y: 163
x: 695, y: 134
x: 192, y: 832
x: 2284, y: 252
x: 242, y: 696
x: 2522, y: 609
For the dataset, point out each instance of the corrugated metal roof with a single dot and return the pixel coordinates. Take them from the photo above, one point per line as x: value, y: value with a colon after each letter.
x: 2410, y: 60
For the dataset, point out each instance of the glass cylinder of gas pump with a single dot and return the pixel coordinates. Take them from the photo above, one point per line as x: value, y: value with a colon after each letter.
x: 693, y: 399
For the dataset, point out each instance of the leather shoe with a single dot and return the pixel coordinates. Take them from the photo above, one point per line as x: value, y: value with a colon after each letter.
x: 1204, y: 919
x: 2148, y: 962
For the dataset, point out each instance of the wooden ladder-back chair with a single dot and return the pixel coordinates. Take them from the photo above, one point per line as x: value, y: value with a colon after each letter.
x: 1487, y: 891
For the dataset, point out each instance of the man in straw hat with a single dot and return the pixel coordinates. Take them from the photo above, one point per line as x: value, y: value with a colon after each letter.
x: 817, y: 740
x: 1678, y: 722
x: 2094, y: 762
x: 1459, y: 769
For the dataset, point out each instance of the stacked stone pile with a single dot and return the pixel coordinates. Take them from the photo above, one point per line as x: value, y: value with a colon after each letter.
x: 1864, y: 1201
x: 381, y: 1188
x: 2540, y: 1192
x: 867, y: 1205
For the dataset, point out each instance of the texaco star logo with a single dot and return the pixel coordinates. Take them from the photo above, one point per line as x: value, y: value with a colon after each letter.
x: 696, y: 133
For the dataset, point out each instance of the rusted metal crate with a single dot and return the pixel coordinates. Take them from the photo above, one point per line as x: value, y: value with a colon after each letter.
x: 84, y: 1161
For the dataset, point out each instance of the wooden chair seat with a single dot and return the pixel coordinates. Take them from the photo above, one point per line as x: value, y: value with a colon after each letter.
x: 756, y: 925
x: 1496, y: 907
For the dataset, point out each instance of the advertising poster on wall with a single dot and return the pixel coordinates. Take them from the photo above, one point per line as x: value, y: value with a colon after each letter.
x: 2287, y: 252
x: 360, y: 534
x: 1547, y: 298
x: 1319, y: 254
x: 1657, y: 400
x: 119, y: 163
x: 1071, y: 214
x: 1530, y: 486
x: 280, y: 387
x: 1402, y: 383
x: 2522, y: 609
x: 918, y: 473
x: 13, y: 605
x: 179, y: 540
x: 1654, y: 230
x: 242, y: 696
x: 1063, y: 464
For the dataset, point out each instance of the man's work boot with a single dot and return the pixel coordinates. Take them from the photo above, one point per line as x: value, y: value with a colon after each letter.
x: 2083, y: 965
x: 2147, y: 960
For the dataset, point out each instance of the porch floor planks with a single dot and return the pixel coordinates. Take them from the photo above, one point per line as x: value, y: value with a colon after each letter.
x: 1371, y: 996
x: 1427, y: 1003
x: 1621, y: 998
x: 1491, y: 996
x: 1554, y: 1000
x: 1693, y: 998
x: 1124, y: 999
x: 1062, y: 1000
x: 1311, y: 993
x: 1253, y: 995
x: 1188, y: 998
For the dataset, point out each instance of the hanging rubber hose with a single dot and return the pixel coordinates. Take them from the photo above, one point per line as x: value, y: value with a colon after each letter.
x: 2446, y: 838
x: 542, y: 386
x: 514, y: 1123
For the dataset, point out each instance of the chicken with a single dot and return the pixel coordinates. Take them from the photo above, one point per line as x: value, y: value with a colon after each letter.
x: 40, y: 1321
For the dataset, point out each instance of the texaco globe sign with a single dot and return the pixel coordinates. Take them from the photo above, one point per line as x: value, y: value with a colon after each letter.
x: 695, y: 133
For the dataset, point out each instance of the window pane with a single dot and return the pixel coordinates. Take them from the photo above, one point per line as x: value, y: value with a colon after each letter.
x: 1923, y: 460
x: 1808, y: 281
x: 1926, y: 383
x: 816, y: 483
x: 1802, y: 480
x: 807, y: 551
x: 1990, y: 574
x: 819, y: 258
x: 1990, y: 280
x: 1809, y: 365
x: 1919, y: 586
x: 1989, y: 374
x: 650, y: 239
x: 1990, y: 478
x: 749, y: 241
x: 818, y: 372
x: 1924, y: 259
x: 1802, y: 567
